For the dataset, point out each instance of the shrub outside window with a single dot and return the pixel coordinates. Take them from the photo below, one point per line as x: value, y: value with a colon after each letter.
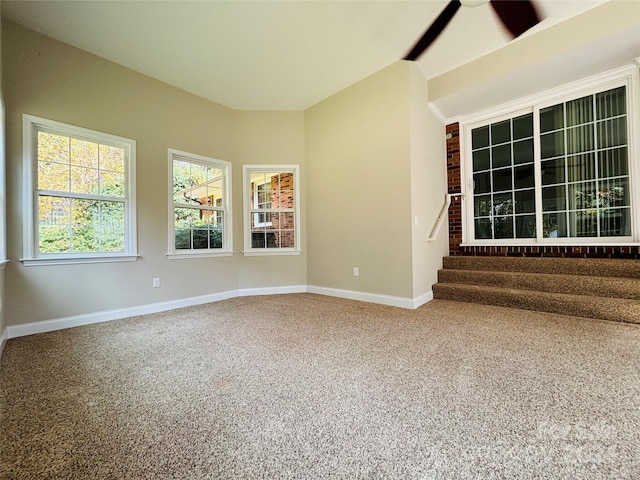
x: 200, y: 214
x: 81, y: 194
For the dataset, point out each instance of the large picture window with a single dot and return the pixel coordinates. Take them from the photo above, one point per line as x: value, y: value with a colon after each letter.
x: 503, y: 175
x: 554, y: 171
x: 271, y: 198
x: 81, y: 194
x: 585, y: 167
x: 200, y: 214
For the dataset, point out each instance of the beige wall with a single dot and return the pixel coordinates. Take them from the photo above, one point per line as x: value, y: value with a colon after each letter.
x: 270, y: 138
x: 376, y: 174
x: 428, y: 158
x: 47, y: 78
x: 371, y: 161
x: 358, y: 186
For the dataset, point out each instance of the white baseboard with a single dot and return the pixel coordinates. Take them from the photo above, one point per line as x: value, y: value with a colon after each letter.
x: 403, y: 302
x: 422, y: 299
x: 44, y: 326
x: 3, y: 340
x: 248, y: 292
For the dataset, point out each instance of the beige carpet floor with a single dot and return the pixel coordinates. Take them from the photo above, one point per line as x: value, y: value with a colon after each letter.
x: 310, y: 387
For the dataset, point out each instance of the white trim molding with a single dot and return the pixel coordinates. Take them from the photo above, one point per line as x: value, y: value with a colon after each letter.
x: 14, y: 331
x: 225, y: 181
x: 438, y: 113
x: 248, y: 210
x: 392, y: 301
x: 44, y: 326
x: 31, y: 126
x: 249, y: 292
x: 3, y: 332
x: 3, y: 183
x: 3, y: 340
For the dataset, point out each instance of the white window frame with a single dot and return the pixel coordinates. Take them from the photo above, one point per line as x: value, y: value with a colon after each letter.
x: 247, y: 170
x: 625, y: 76
x: 31, y: 256
x: 3, y: 188
x: 256, y: 215
x: 227, y: 229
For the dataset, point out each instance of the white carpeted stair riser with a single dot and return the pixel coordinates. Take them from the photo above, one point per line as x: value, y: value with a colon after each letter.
x: 594, y: 288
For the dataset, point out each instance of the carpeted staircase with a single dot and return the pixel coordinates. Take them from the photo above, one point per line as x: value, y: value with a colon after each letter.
x: 607, y: 289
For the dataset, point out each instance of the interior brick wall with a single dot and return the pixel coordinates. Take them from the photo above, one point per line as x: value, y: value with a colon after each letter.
x: 454, y: 184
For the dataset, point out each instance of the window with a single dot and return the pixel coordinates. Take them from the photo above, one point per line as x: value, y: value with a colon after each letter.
x: 3, y: 189
x: 80, y: 203
x: 503, y: 176
x: 200, y: 214
x: 262, y: 201
x: 585, y: 167
x: 555, y: 171
x: 271, y: 197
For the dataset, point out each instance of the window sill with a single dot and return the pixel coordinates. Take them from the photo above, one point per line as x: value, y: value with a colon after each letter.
x: 182, y: 256
x: 32, y: 262
x: 3, y: 263
x: 270, y: 252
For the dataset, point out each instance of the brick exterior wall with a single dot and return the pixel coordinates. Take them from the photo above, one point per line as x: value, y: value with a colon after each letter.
x: 454, y: 183
x: 282, y: 197
x: 281, y: 232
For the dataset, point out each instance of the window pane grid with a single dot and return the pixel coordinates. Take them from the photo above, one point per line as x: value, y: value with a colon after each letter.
x: 271, y: 210
x: 199, y: 204
x: 80, y: 203
x: 595, y: 147
x: 583, y: 172
x: 71, y: 225
x: 503, y: 164
x: 68, y: 164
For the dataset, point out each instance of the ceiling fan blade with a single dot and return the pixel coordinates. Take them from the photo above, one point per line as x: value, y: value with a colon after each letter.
x: 517, y: 16
x: 434, y: 30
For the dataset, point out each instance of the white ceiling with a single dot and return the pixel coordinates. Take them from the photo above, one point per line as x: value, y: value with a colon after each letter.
x: 271, y: 55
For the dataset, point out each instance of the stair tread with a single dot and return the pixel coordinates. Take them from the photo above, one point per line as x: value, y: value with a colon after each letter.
x: 524, y: 290
x: 607, y: 308
x: 618, y: 287
x: 586, y: 287
x: 602, y: 267
x: 503, y: 272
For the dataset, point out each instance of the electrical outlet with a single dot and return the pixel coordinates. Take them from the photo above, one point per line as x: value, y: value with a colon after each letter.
x: 156, y: 283
x: 355, y: 271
